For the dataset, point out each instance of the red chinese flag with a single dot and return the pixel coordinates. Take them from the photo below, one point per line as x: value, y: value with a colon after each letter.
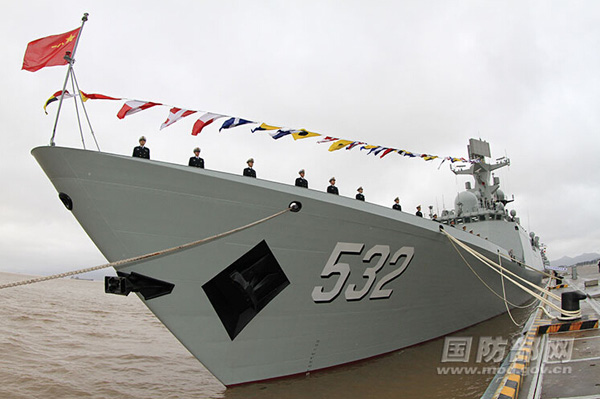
x: 49, y: 51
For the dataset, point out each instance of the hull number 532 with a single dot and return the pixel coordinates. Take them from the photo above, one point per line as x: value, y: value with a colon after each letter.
x: 352, y: 291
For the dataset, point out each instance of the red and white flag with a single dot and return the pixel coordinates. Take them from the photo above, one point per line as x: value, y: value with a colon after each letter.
x: 49, y: 51
x: 205, y: 120
x: 176, y: 114
x: 131, y: 107
x: 327, y: 139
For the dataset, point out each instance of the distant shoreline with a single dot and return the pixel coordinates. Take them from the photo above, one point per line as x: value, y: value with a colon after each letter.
x: 9, y: 277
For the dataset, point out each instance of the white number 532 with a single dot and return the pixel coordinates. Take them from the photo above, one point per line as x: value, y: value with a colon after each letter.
x: 353, y: 293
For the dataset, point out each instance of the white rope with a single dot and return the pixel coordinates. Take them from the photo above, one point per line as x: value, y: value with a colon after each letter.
x: 547, y: 313
x: 487, y: 285
x: 494, y: 266
x: 145, y: 256
x: 504, y: 294
x: 506, y: 302
x: 527, y: 266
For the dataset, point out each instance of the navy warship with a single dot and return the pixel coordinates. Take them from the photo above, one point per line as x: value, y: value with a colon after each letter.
x: 322, y: 280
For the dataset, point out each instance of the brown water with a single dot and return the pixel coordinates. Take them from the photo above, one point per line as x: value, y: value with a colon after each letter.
x: 68, y: 339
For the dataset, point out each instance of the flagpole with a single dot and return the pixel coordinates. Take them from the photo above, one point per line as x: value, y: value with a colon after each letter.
x: 70, y: 57
x: 74, y: 79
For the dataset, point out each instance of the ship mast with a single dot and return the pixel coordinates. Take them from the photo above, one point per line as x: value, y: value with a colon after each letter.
x: 70, y: 58
x: 484, y: 188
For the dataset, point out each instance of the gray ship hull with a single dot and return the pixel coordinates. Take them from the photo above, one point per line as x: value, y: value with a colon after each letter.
x: 339, y: 281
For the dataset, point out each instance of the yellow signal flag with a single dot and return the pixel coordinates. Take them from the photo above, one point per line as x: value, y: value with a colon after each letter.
x: 303, y: 133
x: 338, y: 145
x: 264, y: 126
x: 269, y: 127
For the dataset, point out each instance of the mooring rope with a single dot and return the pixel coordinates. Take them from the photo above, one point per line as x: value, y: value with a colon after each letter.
x: 506, y: 302
x: 496, y: 267
x: 499, y: 269
x: 504, y: 294
x: 486, y: 284
x: 527, y: 266
x: 148, y: 255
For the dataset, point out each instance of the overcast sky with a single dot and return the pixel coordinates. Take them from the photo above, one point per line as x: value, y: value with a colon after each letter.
x: 421, y: 76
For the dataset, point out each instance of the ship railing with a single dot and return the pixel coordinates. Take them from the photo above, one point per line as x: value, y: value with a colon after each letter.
x: 473, y: 217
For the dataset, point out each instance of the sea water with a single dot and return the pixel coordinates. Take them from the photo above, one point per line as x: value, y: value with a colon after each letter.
x: 68, y: 339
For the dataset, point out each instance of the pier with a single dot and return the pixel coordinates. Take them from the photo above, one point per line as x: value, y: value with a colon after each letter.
x: 556, y: 358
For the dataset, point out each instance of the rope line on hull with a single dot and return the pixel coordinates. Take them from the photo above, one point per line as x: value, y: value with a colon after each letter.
x: 501, y: 270
x: 527, y: 266
x: 148, y: 255
x: 503, y: 297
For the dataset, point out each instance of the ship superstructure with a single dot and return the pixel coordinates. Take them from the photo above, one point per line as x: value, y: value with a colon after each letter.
x: 481, y: 208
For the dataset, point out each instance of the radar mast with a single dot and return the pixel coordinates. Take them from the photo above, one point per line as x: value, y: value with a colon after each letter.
x: 484, y: 188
